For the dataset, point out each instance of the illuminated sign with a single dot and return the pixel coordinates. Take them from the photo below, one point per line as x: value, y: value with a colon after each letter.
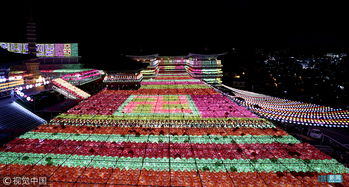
x: 40, y: 50
x: 44, y: 50
x: 74, y: 49
x: 4, y: 45
x: 67, y: 50
x: 59, y: 50
x: 50, y: 49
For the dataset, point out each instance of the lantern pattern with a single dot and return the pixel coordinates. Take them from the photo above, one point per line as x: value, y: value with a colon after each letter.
x: 294, y: 112
x: 173, y: 131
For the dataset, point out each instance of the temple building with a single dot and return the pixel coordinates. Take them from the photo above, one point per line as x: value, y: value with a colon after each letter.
x: 152, y: 70
x: 205, y: 67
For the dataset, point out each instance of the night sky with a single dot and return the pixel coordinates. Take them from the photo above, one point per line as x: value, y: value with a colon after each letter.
x: 153, y: 26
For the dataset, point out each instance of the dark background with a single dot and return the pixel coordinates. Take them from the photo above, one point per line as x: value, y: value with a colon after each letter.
x: 104, y: 28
